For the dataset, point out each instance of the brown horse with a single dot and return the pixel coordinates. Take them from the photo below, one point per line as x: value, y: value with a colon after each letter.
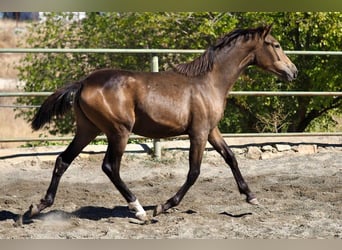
x: 189, y: 99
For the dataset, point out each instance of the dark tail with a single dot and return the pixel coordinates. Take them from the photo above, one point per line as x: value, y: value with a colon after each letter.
x: 56, y: 104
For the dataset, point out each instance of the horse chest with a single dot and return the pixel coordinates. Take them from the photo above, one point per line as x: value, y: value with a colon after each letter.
x: 208, y: 106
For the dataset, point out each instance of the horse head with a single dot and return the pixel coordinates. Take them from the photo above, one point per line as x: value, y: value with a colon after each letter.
x: 270, y: 56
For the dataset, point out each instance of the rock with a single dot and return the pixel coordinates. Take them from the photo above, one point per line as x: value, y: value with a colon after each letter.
x: 267, y: 155
x: 238, y: 151
x: 253, y: 153
x: 306, y: 149
x: 267, y: 148
x: 283, y: 147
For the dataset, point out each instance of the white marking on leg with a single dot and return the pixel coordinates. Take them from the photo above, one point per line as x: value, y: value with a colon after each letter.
x: 139, y: 210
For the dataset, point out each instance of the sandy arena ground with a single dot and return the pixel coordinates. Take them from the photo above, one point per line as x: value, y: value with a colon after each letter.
x: 300, y: 197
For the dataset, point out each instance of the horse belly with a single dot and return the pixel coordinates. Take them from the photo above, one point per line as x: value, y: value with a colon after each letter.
x: 159, y: 125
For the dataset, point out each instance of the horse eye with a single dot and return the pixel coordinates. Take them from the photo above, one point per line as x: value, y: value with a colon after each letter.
x: 277, y: 46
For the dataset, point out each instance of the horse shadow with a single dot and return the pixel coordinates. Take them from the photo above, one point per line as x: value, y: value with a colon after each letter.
x: 88, y: 212
x: 93, y: 213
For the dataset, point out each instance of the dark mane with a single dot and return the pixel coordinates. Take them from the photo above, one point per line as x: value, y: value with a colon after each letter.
x: 204, y: 63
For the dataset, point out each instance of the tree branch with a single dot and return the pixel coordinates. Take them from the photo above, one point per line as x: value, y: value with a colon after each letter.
x: 316, y: 113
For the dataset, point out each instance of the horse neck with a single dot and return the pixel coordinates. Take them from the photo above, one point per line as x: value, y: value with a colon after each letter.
x: 229, y: 65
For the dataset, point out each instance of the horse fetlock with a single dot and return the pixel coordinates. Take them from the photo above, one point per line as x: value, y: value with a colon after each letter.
x: 243, y: 188
x: 47, y: 201
x: 158, y: 210
x: 138, y: 209
x: 35, y: 209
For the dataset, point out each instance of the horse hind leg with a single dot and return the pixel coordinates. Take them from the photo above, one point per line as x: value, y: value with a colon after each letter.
x: 47, y: 201
x: 111, y: 167
x: 85, y: 133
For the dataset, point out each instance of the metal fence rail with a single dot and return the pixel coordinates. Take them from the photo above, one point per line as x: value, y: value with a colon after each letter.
x: 183, y: 137
x: 145, y: 51
x: 232, y: 93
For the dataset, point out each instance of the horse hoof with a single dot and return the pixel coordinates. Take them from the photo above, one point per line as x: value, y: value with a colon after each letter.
x: 33, y: 210
x: 22, y: 219
x: 158, y: 210
x: 19, y: 221
x: 142, y: 217
x: 253, y: 201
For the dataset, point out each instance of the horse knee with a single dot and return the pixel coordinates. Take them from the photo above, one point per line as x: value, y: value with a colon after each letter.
x: 174, y: 201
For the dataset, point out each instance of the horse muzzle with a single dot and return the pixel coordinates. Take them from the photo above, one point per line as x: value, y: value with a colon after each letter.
x: 287, y: 72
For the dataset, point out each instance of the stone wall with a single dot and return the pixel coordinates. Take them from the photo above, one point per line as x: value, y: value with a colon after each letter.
x: 276, y: 150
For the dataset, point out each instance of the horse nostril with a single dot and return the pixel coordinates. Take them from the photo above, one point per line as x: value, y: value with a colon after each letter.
x: 295, y: 74
x: 295, y: 71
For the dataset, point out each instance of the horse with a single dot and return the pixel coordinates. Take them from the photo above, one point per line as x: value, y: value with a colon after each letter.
x: 187, y: 100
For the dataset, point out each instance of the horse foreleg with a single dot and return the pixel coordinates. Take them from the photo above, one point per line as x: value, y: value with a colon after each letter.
x: 217, y: 141
x: 197, y: 146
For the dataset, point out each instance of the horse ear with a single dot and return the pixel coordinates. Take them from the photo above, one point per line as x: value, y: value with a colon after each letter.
x: 267, y: 30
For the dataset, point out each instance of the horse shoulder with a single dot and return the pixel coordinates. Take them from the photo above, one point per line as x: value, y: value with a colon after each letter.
x: 207, y: 104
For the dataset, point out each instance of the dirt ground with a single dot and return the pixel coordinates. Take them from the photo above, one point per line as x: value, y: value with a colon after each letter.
x: 300, y: 196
